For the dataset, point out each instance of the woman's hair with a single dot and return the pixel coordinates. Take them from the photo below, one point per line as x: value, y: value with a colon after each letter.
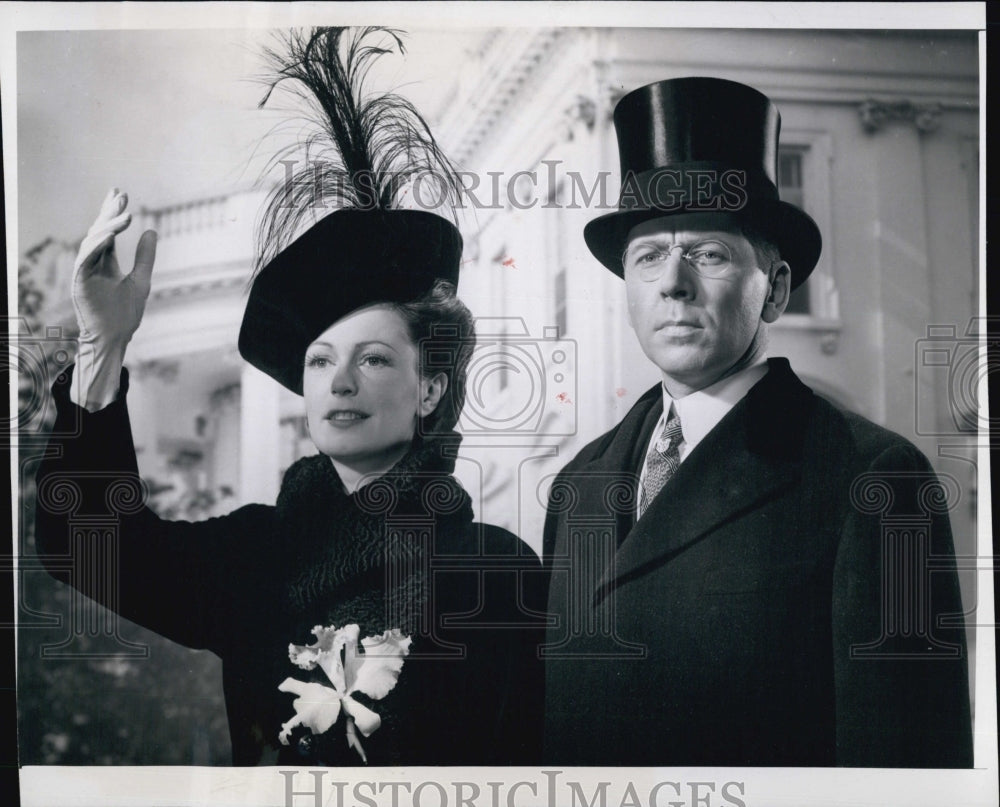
x: 444, y: 332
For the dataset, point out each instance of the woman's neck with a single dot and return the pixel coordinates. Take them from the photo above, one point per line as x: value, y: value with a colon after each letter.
x: 355, y: 476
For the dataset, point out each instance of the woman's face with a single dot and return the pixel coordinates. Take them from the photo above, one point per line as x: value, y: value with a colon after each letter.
x: 363, y: 392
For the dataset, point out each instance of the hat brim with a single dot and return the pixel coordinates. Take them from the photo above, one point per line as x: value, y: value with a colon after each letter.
x: 791, y: 230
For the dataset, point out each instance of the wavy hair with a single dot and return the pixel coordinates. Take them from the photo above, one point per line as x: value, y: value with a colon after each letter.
x: 442, y: 328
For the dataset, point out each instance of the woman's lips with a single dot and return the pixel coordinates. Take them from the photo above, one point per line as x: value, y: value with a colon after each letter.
x: 345, y: 417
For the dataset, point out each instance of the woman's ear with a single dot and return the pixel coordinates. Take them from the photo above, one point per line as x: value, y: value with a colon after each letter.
x: 777, y: 295
x: 431, y: 391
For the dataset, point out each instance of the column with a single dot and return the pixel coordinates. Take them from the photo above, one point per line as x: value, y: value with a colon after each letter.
x: 259, y: 437
x: 902, y: 260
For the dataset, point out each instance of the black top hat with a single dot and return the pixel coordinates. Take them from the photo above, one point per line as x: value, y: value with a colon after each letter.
x: 367, y: 251
x: 696, y: 145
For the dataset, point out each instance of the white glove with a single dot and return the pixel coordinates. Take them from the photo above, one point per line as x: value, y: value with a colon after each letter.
x: 109, y: 304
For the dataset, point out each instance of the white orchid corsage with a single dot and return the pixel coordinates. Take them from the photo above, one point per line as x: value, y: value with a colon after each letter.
x: 373, y: 673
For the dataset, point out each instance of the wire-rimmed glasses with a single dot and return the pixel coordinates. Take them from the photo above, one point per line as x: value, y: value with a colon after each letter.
x: 712, y: 259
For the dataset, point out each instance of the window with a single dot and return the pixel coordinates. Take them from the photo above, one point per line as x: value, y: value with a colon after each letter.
x: 791, y: 188
x: 804, y: 180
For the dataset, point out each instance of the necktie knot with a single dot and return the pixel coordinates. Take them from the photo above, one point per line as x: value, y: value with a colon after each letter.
x: 672, y: 434
x: 663, y: 461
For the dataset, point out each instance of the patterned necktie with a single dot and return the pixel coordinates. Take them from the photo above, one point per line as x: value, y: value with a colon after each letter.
x: 662, y: 460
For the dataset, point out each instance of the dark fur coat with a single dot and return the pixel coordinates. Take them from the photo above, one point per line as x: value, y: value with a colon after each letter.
x: 402, y: 553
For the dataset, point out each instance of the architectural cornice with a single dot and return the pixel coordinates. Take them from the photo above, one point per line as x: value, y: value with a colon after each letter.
x: 876, y: 114
x: 583, y: 111
x: 513, y: 62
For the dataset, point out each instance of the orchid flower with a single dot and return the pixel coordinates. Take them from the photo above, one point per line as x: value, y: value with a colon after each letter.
x: 373, y: 673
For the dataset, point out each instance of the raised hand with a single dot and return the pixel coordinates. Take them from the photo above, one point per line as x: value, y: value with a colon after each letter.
x: 109, y: 304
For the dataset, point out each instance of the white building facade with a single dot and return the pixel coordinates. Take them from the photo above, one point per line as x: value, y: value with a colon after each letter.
x: 879, y: 144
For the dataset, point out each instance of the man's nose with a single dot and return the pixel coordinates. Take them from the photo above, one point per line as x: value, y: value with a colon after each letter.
x: 677, y: 279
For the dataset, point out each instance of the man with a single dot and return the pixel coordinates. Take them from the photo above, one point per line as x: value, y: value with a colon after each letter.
x: 725, y: 587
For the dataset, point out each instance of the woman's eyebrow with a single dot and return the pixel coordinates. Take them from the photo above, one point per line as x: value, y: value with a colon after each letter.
x: 355, y: 347
x: 369, y: 342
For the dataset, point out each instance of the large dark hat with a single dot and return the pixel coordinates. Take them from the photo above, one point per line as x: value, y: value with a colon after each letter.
x: 697, y: 145
x: 361, y: 156
x: 349, y: 259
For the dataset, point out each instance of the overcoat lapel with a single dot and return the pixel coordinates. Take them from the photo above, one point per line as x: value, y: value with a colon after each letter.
x: 752, y: 454
x: 604, y: 489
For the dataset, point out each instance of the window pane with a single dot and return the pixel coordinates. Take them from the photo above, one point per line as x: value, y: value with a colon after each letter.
x: 791, y: 190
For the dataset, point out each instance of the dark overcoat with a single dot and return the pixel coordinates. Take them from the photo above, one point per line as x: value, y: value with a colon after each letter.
x: 787, y: 598
x: 469, y: 692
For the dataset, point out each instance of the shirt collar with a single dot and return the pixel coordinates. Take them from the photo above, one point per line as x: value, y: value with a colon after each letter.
x: 701, y: 411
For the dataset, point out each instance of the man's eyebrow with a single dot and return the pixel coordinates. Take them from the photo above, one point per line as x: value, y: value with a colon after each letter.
x: 649, y: 239
x: 663, y: 238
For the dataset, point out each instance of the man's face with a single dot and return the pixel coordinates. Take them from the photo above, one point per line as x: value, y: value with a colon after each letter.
x: 694, y: 325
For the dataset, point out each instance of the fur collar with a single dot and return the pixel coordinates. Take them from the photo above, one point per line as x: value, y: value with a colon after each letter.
x: 360, y: 557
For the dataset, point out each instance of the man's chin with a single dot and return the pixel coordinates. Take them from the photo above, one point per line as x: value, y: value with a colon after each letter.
x: 679, y: 363
x: 682, y: 378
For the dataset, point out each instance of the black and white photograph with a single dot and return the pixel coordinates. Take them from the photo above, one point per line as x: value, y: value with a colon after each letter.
x: 504, y: 403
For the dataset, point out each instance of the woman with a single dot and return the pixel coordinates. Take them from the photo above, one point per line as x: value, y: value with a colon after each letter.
x: 365, y: 618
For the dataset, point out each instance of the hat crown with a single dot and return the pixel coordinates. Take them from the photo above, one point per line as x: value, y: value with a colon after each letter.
x: 698, y: 121
x: 702, y: 145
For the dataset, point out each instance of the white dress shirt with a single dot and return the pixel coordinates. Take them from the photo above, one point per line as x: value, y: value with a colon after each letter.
x: 701, y: 411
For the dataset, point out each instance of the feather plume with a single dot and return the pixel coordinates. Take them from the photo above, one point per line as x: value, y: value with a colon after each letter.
x: 361, y: 150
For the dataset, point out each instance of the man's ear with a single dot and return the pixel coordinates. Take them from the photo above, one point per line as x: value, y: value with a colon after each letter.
x: 777, y: 295
x: 431, y: 391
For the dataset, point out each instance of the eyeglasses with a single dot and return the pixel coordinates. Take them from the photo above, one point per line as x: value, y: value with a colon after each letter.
x: 711, y: 259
